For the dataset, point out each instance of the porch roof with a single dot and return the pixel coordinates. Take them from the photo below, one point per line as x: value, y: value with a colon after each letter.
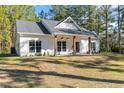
x: 50, y: 25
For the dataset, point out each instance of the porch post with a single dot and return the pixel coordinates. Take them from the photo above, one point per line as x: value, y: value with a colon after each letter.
x: 89, y: 45
x: 73, y: 46
x: 55, y: 44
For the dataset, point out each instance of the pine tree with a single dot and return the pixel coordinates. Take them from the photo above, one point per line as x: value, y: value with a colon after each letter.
x: 107, y: 19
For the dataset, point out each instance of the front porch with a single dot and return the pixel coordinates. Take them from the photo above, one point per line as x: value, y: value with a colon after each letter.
x: 72, y: 45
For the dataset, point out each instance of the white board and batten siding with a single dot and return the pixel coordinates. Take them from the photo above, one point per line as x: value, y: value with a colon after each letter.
x: 84, y: 46
x: 22, y: 45
x: 46, y: 41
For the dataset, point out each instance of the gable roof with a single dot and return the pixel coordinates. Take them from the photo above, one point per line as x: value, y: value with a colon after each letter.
x: 50, y: 25
x: 47, y: 27
x: 89, y: 32
x: 73, y: 25
x: 31, y: 27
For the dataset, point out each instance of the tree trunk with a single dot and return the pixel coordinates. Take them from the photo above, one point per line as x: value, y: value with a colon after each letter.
x: 12, y: 44
x: 119, y: 34
x: 106, y: 22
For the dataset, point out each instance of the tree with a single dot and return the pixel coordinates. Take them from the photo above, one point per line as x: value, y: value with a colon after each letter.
x: 83, y: 15
x: 19, y: 13
x: 119, y: 20
x: 8, y: 17
x: 119, y: 34
x: 98, y: 23
x: 42, y: 15
x: 107, y: 18
x: 4, y: 30
x: 120, y: 10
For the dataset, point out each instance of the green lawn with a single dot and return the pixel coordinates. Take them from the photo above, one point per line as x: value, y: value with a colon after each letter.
x: 105, y: 70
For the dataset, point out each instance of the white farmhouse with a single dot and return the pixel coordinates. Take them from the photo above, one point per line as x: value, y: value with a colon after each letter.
x: 50, y: 38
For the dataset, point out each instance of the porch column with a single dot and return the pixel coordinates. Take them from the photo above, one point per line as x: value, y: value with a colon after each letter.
x: 55, y: 44
x: 89, y: 45
x: 73, y: 46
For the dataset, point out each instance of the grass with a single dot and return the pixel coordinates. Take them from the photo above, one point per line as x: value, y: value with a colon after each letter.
x: 105, y: 70
x: 113, y: 54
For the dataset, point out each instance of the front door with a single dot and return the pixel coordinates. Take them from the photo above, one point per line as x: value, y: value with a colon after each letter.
x: 77, y: 44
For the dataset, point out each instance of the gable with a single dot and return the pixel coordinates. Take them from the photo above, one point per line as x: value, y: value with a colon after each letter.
x: 68, y: 23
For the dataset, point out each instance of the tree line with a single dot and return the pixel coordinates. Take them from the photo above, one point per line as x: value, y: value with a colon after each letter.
x: 106, y: 20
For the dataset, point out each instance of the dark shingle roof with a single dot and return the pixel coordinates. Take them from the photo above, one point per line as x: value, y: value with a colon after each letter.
x: 47, y: 27
x: 31, y: 27
x: 50, y: 24
x: 87, y: 32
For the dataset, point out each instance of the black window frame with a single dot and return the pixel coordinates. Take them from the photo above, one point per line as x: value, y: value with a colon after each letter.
x: 93, y: 46
x: 38, y: 46
x: 35, y: 46
x: 31, y: 46
x: 61, y: 46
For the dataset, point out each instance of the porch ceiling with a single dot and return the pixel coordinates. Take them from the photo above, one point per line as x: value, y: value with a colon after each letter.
x: 77, y: 36
x: 69, y: 36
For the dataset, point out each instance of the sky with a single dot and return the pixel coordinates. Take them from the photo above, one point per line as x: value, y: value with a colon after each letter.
x: 45, y: 8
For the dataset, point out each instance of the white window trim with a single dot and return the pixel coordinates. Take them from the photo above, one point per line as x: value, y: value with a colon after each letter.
x: 93, y: 46
x: 61, y: 46
x: 35, y: 46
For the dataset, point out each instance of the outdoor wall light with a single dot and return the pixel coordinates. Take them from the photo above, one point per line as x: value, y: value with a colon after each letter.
x: 67, y: 38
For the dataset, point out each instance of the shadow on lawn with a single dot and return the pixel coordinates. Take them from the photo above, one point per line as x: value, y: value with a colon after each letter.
x: 67, y: 86
x: 19, y: 77
x: 30, y: 65
x: 101, y: 65
x: 25, y: 75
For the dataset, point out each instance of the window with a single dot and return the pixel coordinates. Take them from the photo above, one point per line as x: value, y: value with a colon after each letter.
x: 61, y: 46
x: 32, y: 46
x: 38, y: 46
x: 93, y: 47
